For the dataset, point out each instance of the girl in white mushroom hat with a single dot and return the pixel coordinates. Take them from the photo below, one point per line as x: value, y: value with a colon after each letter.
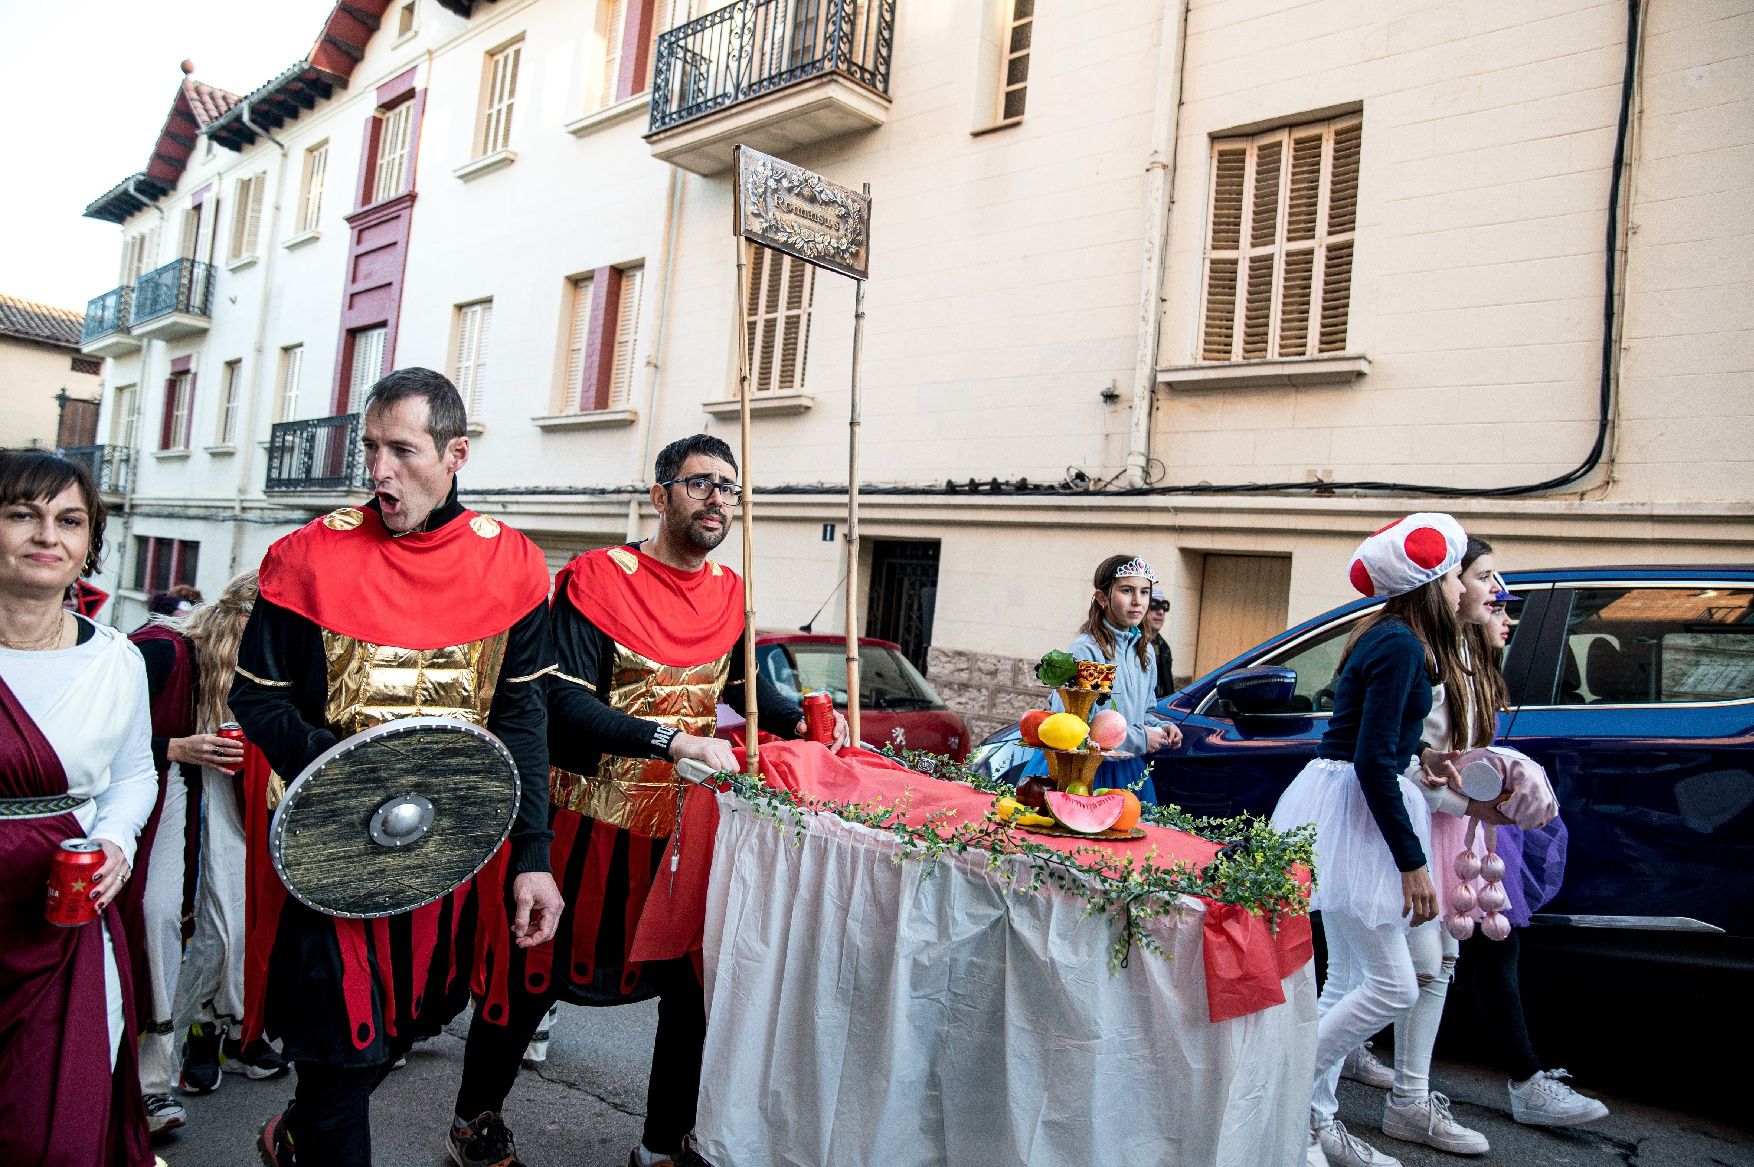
x: 1372, y: 822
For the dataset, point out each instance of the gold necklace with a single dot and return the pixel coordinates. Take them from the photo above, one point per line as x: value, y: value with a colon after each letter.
x: 41, y: 642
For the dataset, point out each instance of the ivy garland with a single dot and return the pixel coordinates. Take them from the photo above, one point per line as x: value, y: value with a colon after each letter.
x: 1251, y: 871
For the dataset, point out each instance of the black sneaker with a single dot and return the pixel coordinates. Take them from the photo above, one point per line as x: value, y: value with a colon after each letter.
x: 257, y: 1061
x: 201, y: 1059
x: 486, y: 1142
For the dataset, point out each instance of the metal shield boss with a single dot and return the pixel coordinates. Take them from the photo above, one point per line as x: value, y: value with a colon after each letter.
x: 394, y: 817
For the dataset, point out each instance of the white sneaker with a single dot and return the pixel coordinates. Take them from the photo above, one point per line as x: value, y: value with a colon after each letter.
x: 1428, y: 1120
x: 1314, y: 1157
x: 1545, y: 1100
x: 163, y: 1113
x: 1363, y: 1066
x: 1345, y: 1149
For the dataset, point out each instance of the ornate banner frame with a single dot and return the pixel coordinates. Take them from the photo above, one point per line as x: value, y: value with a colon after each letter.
x: 801, y: 213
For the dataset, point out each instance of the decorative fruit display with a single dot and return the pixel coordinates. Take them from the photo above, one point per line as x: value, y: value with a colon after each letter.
x: 1130, y: 816
x: 1108, y: 729
x: 1056, y: 669
x: 1032, y: 791
x: 1063, y: 731
x: 1088, y: 814
x: 1009, y: 810
x: 1030, y: 725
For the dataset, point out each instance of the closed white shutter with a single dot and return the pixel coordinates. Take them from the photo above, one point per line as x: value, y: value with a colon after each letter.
x: 368, y: 365
x: 578, y: 339
x: 469, y: 373
x: 191, y: 234
x: 246, y: 218
x: 777, y: 329
x: 626, y: 338
x: 502, y: 86
x: 390, y: 178
x: 292, y: 360
x: 125, y: 420
x: 612, y: 23
x: 228, y: 409
x: 316, y: 172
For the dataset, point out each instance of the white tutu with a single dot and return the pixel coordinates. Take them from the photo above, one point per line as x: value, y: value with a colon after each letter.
x: 1355, y: 871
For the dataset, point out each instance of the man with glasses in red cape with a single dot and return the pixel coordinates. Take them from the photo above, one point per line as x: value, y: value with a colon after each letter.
x: 648, y: 637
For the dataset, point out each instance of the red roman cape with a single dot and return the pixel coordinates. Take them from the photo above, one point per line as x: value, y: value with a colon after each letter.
x: 472, y: 578
x: 679, y: 618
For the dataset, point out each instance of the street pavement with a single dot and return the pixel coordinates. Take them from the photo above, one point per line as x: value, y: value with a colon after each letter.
x: 585, y: 1107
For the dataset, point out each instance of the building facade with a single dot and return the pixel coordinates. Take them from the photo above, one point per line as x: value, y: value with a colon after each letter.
x: 1225, y: 283
x: 49, y: 390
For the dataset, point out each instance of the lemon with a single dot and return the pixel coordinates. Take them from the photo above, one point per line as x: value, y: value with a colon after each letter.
x: 1063, y: 731
x: 1006, y: 808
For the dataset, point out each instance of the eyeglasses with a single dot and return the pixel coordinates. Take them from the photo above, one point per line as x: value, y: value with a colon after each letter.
x: 1160, y: 607
x: 700, y: 487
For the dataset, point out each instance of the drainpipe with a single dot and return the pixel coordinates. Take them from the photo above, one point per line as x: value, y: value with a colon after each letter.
x: 1159, y: 175
x: 666, y: 265
x: 268, y: 241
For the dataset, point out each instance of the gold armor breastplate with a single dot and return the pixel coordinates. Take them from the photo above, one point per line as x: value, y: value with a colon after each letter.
x: 639, y: 794
x: 374, y: 683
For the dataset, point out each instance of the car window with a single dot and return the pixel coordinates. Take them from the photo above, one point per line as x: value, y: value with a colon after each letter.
x: 886, y: 679
x: 1316, y: 661
x: 1650, y: 645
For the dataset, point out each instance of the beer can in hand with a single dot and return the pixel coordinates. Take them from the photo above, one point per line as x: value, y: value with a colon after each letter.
x: 819, y: 718
x: 231, y: 731
x: 72, y: 876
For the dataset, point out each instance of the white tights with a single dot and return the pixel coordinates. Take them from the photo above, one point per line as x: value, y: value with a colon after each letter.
x: 1371, y: 983
x: 1434, y: 953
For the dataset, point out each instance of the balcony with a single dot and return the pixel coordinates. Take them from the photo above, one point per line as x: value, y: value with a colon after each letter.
x: 320, y: 456
x: 108, y: 465
x: 174, y: 301
x: 774, y: 74
x: 106, y: 325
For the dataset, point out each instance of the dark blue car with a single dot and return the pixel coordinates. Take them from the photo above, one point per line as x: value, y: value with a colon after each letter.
x: 1633, y: 686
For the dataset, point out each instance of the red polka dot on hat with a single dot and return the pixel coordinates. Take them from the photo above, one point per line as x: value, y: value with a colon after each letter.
x: 1426, y: 547
x: 1407, y: 554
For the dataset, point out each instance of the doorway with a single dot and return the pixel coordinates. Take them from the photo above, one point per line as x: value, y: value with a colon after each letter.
x: 904, y: 592
x: 1243, y: 601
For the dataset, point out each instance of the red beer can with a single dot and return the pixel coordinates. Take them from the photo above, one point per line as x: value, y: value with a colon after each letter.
x: 819, y: 718
x: 71, y: 878
x: 231, y: 731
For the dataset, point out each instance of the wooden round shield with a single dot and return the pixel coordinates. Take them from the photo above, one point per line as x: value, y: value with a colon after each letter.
x: 394, y: 817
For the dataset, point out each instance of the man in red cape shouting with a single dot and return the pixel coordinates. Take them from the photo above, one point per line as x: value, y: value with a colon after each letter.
x: 408, y: 606
x: 648, y: 637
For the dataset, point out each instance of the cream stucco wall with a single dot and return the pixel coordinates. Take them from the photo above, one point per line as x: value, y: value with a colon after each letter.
x: 30, y: 377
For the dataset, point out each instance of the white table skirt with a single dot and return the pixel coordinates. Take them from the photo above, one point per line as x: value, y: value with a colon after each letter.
x: 861, y: 1014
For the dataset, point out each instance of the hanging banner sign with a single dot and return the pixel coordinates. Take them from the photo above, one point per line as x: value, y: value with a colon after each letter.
x: 801, y: 213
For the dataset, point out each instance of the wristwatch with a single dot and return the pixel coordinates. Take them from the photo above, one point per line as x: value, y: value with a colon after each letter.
x: 661, y: 739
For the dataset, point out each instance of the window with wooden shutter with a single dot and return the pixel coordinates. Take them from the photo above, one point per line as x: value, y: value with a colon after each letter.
x: 626, y: 337
x: 292, y: 362
x: 125, y: 417
x: 501, y: 90
x: 469, y: 370
x: 179, y: 407
x: 1284, y: 208
x: 611, y: 28
x: 575, y: 394
x: 777, y: 327
x: 228, y: 406
x: 390, y: 178
x: 191, y: 234
x: 368, y: 364
x: 316, y: 173
x: 246, y: 217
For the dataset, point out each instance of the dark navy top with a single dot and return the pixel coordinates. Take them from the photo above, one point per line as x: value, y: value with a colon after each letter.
x: 1380, y: 701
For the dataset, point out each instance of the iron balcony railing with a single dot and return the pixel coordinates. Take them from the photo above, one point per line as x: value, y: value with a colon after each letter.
x: 183, y: 285
x: 317, y: 454
x: 108, y: 465
x: 752, y: 47
x: 107, y: 314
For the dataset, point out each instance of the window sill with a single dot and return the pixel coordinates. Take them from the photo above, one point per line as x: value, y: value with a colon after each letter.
x: 763, y: 405
x: 171, y: 455
x: 610, y: 115
x: 222, y: 450
x: 486, y: 164
x: 1292, y: 373
x: 590, y: 419
x: 996, y: 127
x: 241, y: 262
x: 302, y: 238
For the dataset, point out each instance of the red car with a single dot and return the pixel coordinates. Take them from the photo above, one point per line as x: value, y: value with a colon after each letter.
x: 896, y: 704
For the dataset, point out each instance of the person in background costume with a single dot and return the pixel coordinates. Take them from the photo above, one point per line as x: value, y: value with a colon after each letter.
x: 1155, y: 616
x: 346, y: 602
x: 75, y: 762
x: 648, y: 636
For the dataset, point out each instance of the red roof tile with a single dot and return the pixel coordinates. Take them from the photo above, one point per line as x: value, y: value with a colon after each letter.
x: 40, y: 322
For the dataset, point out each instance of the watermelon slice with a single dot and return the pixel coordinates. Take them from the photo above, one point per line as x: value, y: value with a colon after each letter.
x: 1088, y: 814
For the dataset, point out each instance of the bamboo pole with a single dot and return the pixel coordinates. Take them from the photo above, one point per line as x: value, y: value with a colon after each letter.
x: 751, y: 713
x: 852, y: 596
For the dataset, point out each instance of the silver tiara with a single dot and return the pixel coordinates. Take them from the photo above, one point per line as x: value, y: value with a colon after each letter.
x: 1136, y: 566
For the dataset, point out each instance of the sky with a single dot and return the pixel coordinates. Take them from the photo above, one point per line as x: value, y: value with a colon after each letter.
x: 85, y: 86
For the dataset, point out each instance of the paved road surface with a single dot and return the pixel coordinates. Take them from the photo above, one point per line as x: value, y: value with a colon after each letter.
x: 585, y: 1110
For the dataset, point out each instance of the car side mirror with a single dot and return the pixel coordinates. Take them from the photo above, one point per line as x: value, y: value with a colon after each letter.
x: 1262, y: 690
